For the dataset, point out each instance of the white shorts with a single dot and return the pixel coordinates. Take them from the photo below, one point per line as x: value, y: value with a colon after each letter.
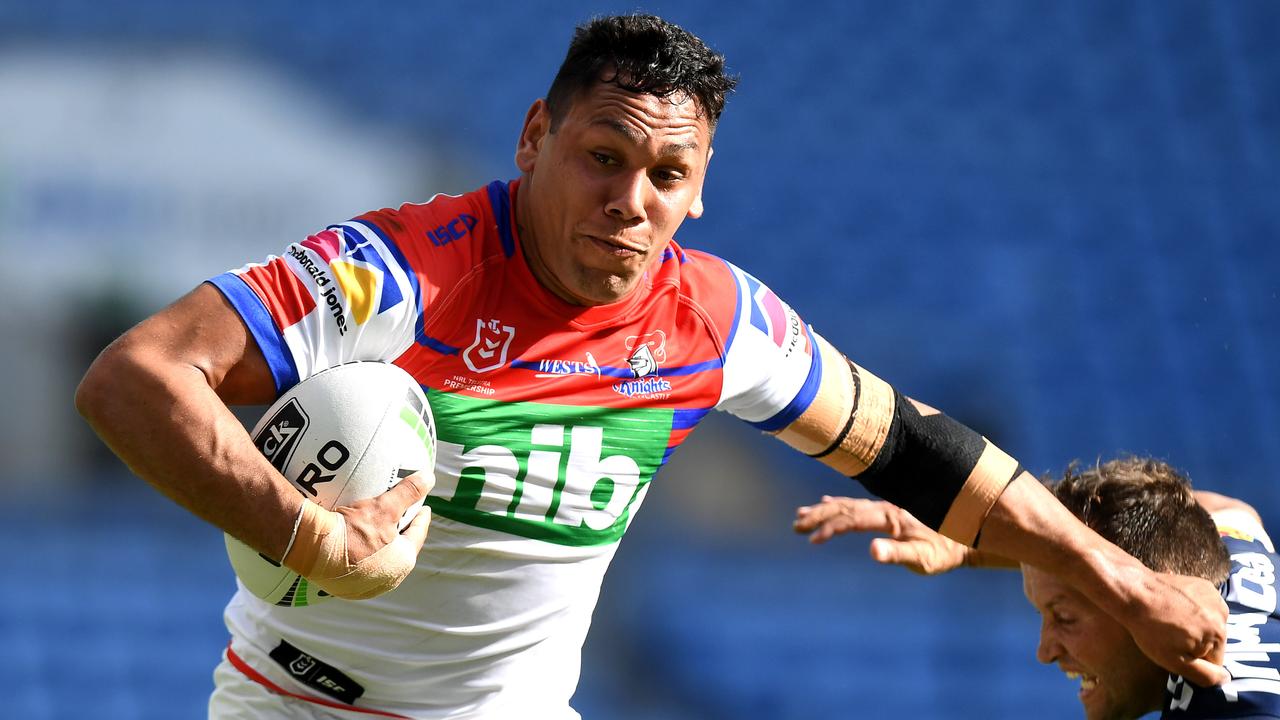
x: 236, y: 696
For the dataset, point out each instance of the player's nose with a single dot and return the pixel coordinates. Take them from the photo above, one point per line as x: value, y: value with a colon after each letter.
x: 1048, y: 650
x: 627, y: 195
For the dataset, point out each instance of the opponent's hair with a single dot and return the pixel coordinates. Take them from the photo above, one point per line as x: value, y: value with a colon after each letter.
x: 1146, y: 508
x: 641, y: 54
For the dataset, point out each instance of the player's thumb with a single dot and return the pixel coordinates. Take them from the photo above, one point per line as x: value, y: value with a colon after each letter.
x: 891, y: 552
x: 411, y: 490
x: 1204, y: 673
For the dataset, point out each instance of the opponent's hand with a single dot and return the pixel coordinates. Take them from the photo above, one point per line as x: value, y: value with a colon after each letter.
x: 1182, y: 627
x: 910, y: 544
x: 357, y: 551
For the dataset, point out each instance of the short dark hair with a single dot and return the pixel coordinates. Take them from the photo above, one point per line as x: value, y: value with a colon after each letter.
x: 1146, y: 508
x: 641, y: 54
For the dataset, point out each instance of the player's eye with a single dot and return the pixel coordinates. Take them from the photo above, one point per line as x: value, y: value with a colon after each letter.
x: 603, y: 159
x: 667, y: 176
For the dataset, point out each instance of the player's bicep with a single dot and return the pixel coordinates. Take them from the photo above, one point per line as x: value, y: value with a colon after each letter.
x: 904, y: 451
x: 203, y: 331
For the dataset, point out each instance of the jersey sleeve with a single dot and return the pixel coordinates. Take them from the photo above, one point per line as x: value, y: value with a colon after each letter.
x: 341, y: 295
x: 772, y: 366
x: 1253, y: 632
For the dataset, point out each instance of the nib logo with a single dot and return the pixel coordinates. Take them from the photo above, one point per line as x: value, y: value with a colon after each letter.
x: 489, y: 351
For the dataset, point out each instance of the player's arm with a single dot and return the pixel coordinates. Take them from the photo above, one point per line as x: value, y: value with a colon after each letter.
x: 956, y: 482
x: 158, y: 397
x: 908, y: 542
x: 1216, y: 504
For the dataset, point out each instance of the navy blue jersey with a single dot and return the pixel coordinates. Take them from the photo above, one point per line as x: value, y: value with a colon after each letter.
x: 1253, y: 635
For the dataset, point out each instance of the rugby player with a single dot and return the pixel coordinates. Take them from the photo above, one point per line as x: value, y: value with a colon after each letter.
x: 1148, y: 509
x: 568, y: 345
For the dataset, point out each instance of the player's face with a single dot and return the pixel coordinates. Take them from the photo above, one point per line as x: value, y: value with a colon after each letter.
x: 602, y: 196
x: 1117, y: 682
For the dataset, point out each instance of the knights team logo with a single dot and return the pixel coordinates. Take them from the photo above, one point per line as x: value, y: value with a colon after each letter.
x: 489, y: 351
x: 648, y: 351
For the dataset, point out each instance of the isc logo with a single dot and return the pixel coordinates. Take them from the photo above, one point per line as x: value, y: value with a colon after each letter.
x: 455, y: 229
x: 562, y: 478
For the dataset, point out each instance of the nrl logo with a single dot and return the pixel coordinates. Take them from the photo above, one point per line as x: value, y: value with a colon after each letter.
x: 302, y: 665
x: 647, y: 351
x: 489, y: 351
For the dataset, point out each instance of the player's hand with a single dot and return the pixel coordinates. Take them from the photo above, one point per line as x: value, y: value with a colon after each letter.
x: 910, y: 544
x: 1182, y: 627
x: 358, y: 551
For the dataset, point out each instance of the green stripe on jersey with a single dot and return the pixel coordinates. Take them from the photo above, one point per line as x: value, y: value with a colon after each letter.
x: 562, y: 474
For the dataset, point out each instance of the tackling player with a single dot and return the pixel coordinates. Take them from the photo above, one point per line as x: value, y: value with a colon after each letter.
x: 568, y: 345
x: 1148, y: 509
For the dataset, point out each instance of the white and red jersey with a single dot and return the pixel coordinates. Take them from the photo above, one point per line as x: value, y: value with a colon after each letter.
x: 552, y: 421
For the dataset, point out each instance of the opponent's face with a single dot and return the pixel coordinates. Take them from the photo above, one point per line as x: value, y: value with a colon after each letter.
x: 1117, y: 682
x: 603, y: 195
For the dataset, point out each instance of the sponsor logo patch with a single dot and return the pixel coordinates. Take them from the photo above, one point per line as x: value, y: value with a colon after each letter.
x: 567, y: 368
x: 280, y: 437
x: 315, y: 674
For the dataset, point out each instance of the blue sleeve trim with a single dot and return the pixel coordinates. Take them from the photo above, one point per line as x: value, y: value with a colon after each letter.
x: 262, y: 326
x: 800, y: 402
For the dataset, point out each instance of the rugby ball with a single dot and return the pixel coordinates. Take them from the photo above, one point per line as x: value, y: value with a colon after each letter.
x: 347, y: 433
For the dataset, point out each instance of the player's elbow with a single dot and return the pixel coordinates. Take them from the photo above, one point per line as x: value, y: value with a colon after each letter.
x: 105, y: 383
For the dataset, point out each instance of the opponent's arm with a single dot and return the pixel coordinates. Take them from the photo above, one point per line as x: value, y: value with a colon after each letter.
x: 909, y: 542
x: 1215, y: 504
x: 158, y: 397
x: 955, y: 481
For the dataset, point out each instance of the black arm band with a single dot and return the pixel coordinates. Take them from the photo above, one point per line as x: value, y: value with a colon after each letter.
x: 924, y: 462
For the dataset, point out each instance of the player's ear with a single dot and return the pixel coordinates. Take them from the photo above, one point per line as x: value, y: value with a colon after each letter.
x: 695, y: 210
x: 537, y: 123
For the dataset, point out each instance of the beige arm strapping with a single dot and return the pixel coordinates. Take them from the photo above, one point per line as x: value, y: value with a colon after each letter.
x: 319, y: 553
x: 847, y: 425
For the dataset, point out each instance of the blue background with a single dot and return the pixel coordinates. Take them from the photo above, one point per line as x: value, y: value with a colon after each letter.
x: 1057, y: 221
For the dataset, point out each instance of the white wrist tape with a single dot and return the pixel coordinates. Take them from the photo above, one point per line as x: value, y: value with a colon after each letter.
x: 294, y: 536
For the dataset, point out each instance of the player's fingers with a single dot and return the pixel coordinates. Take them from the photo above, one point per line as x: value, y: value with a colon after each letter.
x: 865, y: 516
x: 809, y: 517
x: 1203, y: 673
x: 416, y: 531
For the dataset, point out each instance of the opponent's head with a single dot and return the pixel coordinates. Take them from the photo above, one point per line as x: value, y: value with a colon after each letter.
x: 1146, y: 508
x: 614, y: 158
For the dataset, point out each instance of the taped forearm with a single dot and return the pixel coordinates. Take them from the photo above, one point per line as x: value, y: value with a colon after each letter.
x: 318, y: 552
x: 942, y: 472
